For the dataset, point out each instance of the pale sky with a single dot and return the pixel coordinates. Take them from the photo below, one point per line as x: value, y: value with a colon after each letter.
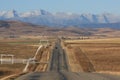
x: 73, y: 6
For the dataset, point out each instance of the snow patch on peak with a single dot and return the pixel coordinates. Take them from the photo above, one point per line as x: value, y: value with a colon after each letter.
x: 34, y: 13
x: 43, y: 12
x: 10, y: 14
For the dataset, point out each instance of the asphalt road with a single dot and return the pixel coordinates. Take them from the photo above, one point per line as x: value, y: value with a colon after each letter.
x: 59, y: 70
x: 58, y: 61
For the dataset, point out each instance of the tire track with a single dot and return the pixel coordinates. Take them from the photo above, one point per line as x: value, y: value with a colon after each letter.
x: 84, y: 60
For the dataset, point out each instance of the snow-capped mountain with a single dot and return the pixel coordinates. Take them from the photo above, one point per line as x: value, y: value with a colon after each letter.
x: 8, y: 14
x: 42, y: 17
x: 34, y: 13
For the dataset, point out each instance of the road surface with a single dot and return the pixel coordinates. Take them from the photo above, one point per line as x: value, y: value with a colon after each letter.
x: 59, y: 70
x: 58, y: 62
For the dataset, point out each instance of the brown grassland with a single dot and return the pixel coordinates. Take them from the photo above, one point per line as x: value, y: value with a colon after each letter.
x: 24, y: 48
x: 94, y: 55
x: 20, y: 48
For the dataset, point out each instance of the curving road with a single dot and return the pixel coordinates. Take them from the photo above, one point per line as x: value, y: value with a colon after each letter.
x: 59, y: 70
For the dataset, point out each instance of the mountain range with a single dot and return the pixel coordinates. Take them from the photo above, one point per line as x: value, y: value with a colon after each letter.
x: 15, y: 29
x: 62, y: 19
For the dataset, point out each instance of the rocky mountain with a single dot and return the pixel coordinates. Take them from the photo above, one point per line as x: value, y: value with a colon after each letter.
x: 42, y: 17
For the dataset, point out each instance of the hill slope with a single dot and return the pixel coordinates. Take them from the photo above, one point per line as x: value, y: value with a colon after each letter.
x: 16, y: 29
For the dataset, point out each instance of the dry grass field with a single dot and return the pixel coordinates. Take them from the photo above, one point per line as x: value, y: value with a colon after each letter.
x: 94, y: 55
x: 43, y: 57
x: 20, y: 48
x: 24, y: 48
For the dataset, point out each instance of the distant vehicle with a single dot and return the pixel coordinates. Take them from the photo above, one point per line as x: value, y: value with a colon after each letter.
x: 55, y: 47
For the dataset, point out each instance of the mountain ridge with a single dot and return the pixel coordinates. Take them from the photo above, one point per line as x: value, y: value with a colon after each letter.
x: 42, y: 17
